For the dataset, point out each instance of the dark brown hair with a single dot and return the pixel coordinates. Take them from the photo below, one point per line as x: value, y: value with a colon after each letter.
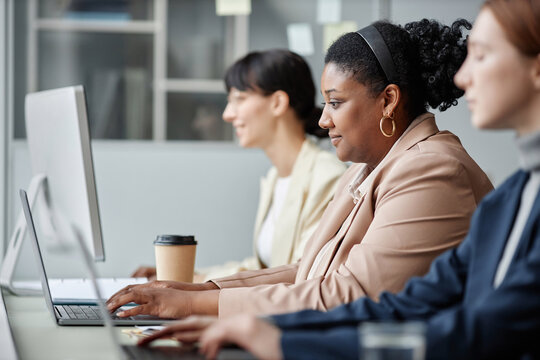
x: 520, y: 20
x: 268, y: 71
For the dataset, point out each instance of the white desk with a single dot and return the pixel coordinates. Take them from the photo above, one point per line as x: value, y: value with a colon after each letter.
x: 38, y: 337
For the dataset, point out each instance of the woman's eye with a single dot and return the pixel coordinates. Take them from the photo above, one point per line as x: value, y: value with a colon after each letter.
x: 477, y: 54
x: 479, y: 57
x: 333, y: 104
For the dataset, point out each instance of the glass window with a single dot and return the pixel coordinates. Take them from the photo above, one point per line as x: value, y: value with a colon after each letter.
x: 152, y: 69
x: 196, y: 40
x: 117, y: 77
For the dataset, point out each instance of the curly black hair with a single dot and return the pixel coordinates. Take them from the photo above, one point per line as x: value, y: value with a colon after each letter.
x: 269, y: 71
x: 426, y: 55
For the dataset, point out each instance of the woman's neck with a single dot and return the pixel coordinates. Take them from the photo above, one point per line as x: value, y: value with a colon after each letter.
x: 529, y: 118
x: 529, y: 150
x: 285, y: 146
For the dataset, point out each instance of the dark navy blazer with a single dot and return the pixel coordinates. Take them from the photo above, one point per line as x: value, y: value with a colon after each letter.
x: 466, y: 317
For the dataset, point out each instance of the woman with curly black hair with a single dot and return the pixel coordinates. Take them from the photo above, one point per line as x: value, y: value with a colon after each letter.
x: 408, y: 197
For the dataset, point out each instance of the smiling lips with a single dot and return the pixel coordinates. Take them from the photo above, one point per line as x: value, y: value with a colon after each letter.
x: 334, y: 139
x: 238, y: 129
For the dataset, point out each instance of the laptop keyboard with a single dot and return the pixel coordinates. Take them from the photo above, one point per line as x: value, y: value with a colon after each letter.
x: 81, y: 312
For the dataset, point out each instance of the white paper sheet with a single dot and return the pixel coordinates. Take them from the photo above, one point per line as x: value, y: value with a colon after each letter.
x: 300, y: 38
x: 328, y: 11
x: 332, y: 32
x: 233, y: 7
x: 80, y: 290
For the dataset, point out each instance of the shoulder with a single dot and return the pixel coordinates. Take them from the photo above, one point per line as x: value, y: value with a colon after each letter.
x: 513, y: 181
x: 326, y: 161
x: 442, y: 150
x: 439, y: 158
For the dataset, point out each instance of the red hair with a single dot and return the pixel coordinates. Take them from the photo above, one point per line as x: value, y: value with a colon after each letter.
x: 520, y: 20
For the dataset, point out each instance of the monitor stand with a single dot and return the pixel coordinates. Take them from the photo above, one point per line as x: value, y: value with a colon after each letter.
x: 36, y: 187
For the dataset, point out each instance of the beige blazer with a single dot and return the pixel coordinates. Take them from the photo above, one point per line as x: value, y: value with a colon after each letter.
x: 314, y: 179
x: 417, y: 204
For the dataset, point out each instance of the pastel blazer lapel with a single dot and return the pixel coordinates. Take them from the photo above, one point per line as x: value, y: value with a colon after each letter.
x: 532, y: 224
x: 286, y: 227
x: 335, y: 242
x: 334, y: 216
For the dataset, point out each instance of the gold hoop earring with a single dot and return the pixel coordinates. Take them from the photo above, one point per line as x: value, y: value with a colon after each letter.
x: 391, y: 117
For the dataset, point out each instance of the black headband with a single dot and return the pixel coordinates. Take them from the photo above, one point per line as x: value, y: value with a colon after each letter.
x: 376, y: 43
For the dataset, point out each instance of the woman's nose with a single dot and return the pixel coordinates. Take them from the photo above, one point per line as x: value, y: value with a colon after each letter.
x: 325, y: 121
x: 462, y: 78
x: 228, y: 113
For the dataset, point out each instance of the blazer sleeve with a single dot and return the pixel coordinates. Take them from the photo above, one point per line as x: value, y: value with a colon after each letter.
x: 275, y: 275
x: 337, y: 343
x: 229, y: 268
x: 442, y: 287
x: 334, y: 334
x: 423, y: 209
x: 503, y: 324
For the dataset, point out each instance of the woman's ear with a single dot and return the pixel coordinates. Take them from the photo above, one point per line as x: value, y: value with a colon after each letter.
x: 280, y: 102
x: 392, y: 97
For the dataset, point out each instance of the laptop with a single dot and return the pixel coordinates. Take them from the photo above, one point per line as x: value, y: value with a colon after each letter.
x: 130, y: 352
x: 73, y: 313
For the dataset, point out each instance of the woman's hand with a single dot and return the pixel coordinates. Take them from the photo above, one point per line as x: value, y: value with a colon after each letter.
x: 188, y: 330
x: 169, y: 285
x: 148, y: 272
x: 159, y: 299
x: 255, y: 335
x: 163, y: 302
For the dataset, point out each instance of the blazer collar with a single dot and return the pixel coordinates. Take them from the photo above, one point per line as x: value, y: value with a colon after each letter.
x: 526, y: 239
x: 424, y: 126
x: 304, y: 161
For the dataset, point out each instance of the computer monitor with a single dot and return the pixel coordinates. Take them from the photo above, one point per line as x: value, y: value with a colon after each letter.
x: 63, y: 174
x: 59, y: 144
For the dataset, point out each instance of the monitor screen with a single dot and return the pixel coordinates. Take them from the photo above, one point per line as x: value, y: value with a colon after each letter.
x: 60, y: 153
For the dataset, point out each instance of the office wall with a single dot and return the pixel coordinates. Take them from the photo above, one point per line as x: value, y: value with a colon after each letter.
x: 145, y: 189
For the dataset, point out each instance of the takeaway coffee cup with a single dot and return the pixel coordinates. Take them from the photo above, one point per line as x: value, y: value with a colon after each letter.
x: 175, y: 257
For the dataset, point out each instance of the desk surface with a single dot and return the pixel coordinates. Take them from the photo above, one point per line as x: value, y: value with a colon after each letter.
x: 38, y: 337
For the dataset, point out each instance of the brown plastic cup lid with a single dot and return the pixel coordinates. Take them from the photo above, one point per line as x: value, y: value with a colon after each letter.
x: 175, y: 240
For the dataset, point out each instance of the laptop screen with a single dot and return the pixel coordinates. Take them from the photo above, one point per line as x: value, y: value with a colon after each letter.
x: 37, y: 250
